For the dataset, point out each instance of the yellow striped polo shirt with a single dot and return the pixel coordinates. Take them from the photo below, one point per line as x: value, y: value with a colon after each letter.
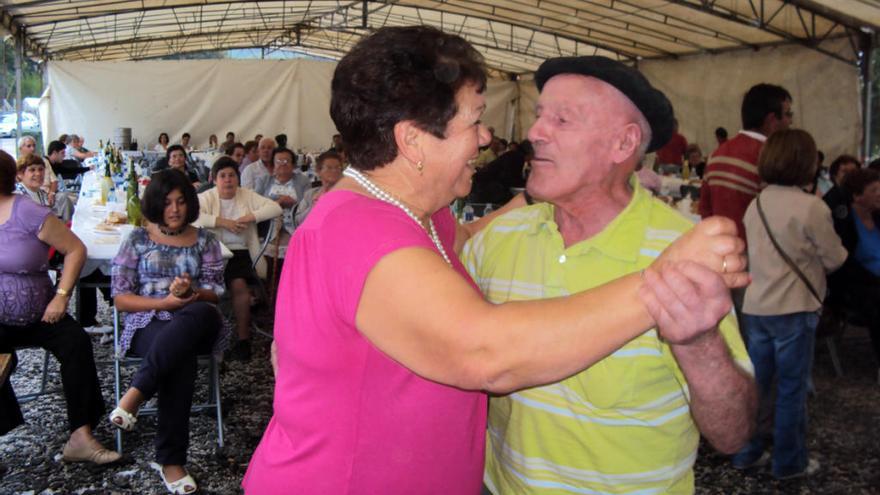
x: 621, y: 426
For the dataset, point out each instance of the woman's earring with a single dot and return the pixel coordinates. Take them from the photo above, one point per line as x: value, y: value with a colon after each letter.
x: 420, y: 167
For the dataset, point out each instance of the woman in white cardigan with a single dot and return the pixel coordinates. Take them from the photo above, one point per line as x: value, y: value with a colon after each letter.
x: 232, y: 213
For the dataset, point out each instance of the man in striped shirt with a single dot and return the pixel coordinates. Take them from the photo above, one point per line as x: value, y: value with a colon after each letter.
x: 631, y: 423
x: 731, y: 179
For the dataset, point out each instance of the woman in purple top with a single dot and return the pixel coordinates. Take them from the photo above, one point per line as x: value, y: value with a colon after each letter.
x: 34, y: 313
x: 384, y: 344
x: 167, y: 278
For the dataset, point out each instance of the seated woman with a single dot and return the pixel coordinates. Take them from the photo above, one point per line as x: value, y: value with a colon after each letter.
x: 232, y: 213
x: 329, y: 168
x: 167, y: 277
x: 856, y: 286
x: 176, y: 156
x: 162, y: 145
x: 283, y: 190
x: 34, y: 313
x: 213, y: 145
x: 31, y: 175
x: 27, y: 146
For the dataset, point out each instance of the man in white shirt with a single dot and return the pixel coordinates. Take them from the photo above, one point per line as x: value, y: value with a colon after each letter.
x: 257, y: 175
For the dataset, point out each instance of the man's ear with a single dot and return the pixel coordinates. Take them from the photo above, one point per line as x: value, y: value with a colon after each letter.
x: 627, y: 142
x: 409, y: 138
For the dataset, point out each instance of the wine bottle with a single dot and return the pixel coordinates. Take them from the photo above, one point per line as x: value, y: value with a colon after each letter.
x: 132, y: 202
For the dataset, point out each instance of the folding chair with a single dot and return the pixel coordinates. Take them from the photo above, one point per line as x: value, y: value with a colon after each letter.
x: 44, y: 380
x: 213, y: 399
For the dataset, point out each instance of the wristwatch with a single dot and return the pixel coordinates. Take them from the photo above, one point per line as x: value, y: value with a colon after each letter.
x: 62, y: 292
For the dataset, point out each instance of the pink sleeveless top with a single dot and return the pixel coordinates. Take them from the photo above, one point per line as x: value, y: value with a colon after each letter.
x: 348, y: 419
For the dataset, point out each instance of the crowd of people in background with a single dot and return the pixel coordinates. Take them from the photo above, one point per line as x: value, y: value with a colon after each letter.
x: 378, y: 390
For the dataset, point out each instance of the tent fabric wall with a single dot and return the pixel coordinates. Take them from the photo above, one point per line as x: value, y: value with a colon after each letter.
x: 205, y: 97
x: 706, y: 92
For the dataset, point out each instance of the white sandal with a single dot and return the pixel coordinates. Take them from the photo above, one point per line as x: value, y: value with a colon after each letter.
x: 127, y: 419
x: 178, y: 487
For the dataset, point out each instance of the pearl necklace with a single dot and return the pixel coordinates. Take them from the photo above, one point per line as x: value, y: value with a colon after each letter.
x: 382, y: 195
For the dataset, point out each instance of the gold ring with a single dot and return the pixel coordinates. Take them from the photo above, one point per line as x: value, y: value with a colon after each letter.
x: 723, y: 265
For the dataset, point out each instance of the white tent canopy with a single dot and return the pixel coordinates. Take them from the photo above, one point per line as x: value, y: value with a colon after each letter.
x: 674, y: 41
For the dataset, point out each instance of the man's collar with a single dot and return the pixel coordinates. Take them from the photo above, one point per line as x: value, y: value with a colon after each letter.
x: 754, y: 135
x: 624, y: 226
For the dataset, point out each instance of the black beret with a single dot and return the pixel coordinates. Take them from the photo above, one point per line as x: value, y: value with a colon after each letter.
x: 649, y: 100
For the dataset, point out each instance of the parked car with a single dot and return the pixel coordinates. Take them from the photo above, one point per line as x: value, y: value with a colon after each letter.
x: 30, y: 124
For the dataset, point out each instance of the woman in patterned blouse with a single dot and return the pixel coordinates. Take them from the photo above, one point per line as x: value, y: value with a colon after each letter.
x: 167, y: 277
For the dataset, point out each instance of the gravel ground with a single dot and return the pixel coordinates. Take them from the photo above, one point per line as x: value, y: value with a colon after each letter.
x: 843, y: 436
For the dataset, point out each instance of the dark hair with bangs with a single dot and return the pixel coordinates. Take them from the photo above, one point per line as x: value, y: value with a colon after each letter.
x: 857, y: 181
x: 396, y: 74
x: 285, y: 150
x: 161, y: 185
x: 225, y: 162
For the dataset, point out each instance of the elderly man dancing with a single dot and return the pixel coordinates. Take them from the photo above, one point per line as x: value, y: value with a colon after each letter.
x: 631, y: 422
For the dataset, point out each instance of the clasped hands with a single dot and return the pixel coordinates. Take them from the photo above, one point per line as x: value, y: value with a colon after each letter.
x: 686, y: 290
x: 236, y: 226
x: 180, y: 292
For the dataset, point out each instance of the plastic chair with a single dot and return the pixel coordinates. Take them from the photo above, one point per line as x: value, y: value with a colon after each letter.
x: 213, y: 400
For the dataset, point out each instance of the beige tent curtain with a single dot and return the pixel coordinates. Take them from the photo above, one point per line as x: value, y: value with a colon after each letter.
x: 706, y: 92
x: 210, y: 97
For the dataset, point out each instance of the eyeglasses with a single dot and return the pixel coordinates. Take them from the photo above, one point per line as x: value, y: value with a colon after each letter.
x: 281, y: 161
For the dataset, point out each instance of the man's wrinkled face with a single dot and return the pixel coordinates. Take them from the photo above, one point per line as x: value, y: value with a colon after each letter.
x: 578, y: 118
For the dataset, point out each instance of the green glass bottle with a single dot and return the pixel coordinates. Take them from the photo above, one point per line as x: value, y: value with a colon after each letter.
x: 106, y: 185
x: 132, y: 202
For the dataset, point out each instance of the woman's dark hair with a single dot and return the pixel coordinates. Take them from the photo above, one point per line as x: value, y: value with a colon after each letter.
x: 173, y: 148
x: 230, y: 149
x: 167, y: 139
x: 224, y: 162
x: 248, y: 146
x: 8, y: 173
x: 760, y: 100
x: 858, y: 180
x: 396, y: 74
x: 839, y: 162
x: 161, y: 185
x: 327, y: 155
x: 284, y: 150
x: 788, y: 158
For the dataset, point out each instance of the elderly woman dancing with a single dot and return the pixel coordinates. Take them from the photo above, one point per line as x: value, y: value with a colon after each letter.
x: 167, y: 278
x: 385, y: 347
x: 34, y: 313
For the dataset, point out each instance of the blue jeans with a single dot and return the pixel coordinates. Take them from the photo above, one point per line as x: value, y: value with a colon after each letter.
x: 782, y: 346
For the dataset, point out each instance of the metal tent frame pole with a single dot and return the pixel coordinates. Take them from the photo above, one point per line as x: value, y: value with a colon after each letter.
x: 866, y: 71
x: 19, y: 44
